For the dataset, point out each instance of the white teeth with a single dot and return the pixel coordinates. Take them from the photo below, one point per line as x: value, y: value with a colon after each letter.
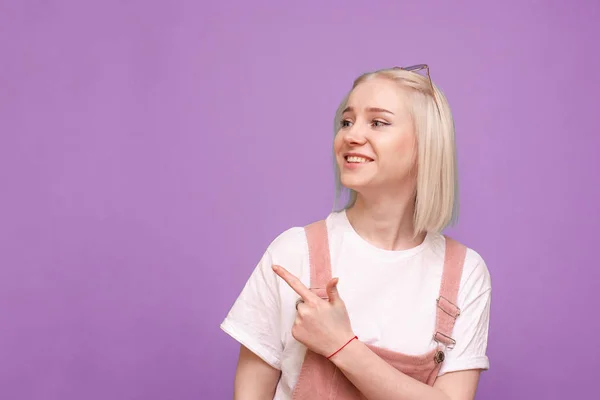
x: 356, y: 159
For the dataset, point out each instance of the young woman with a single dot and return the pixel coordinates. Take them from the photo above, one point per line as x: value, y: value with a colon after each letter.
x: 407, y: 314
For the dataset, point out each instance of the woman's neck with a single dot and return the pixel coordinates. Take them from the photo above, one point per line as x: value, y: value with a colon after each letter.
x: 385, y: 223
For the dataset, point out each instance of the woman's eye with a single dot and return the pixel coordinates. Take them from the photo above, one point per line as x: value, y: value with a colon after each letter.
x: 379, y: 123
x: 345, y: 123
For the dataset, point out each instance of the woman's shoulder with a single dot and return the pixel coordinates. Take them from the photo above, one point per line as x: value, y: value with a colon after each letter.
x: 293, y: 241
x: 476, y: 274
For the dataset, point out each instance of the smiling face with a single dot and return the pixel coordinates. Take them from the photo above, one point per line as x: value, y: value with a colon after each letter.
x: 375, y: 146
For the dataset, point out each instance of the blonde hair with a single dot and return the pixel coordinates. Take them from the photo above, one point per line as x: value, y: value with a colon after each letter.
x: 436, y: 197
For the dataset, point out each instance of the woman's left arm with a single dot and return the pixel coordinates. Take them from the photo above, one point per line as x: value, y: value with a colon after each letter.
x: 324, y: 326
x: 378, y: 380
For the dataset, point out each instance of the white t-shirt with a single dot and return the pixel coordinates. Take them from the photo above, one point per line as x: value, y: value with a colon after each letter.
x: 390, y: 297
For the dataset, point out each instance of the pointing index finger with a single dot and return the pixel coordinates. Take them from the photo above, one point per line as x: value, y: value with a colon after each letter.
x: 294, y: 283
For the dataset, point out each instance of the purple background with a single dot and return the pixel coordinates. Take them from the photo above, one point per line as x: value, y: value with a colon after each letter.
x: 151, y: 150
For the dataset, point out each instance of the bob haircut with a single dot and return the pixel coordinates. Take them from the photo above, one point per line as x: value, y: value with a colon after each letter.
x: 436, y: 192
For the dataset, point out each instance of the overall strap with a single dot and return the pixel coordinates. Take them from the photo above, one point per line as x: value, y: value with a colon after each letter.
x: 447, y: 311
x: 318, y: 256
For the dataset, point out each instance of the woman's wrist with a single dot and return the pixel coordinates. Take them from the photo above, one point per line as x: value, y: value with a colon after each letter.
x: 354, y: 337
x: 346, y: 352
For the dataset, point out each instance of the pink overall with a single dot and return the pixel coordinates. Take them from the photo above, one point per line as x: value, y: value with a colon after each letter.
x: 321, y: 379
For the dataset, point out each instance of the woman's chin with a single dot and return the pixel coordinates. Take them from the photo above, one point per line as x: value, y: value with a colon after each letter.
x: 353, y: 183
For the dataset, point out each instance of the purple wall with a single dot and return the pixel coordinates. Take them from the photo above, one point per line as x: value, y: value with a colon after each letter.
x: 150, y: 151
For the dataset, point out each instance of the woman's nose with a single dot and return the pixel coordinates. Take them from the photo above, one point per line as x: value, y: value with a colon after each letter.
x: 355, y: 136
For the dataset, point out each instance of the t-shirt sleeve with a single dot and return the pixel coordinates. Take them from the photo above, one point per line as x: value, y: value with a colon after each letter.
x: 472, y: 326
x: 254, y: 319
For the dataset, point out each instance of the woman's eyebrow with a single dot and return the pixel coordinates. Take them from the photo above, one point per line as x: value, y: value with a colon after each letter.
x: 370, y: 109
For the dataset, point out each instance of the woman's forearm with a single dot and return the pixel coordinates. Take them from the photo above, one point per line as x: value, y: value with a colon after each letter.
x: 378, y: 380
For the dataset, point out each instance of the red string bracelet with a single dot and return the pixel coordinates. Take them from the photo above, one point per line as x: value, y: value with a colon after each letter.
x: 355, y: 337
